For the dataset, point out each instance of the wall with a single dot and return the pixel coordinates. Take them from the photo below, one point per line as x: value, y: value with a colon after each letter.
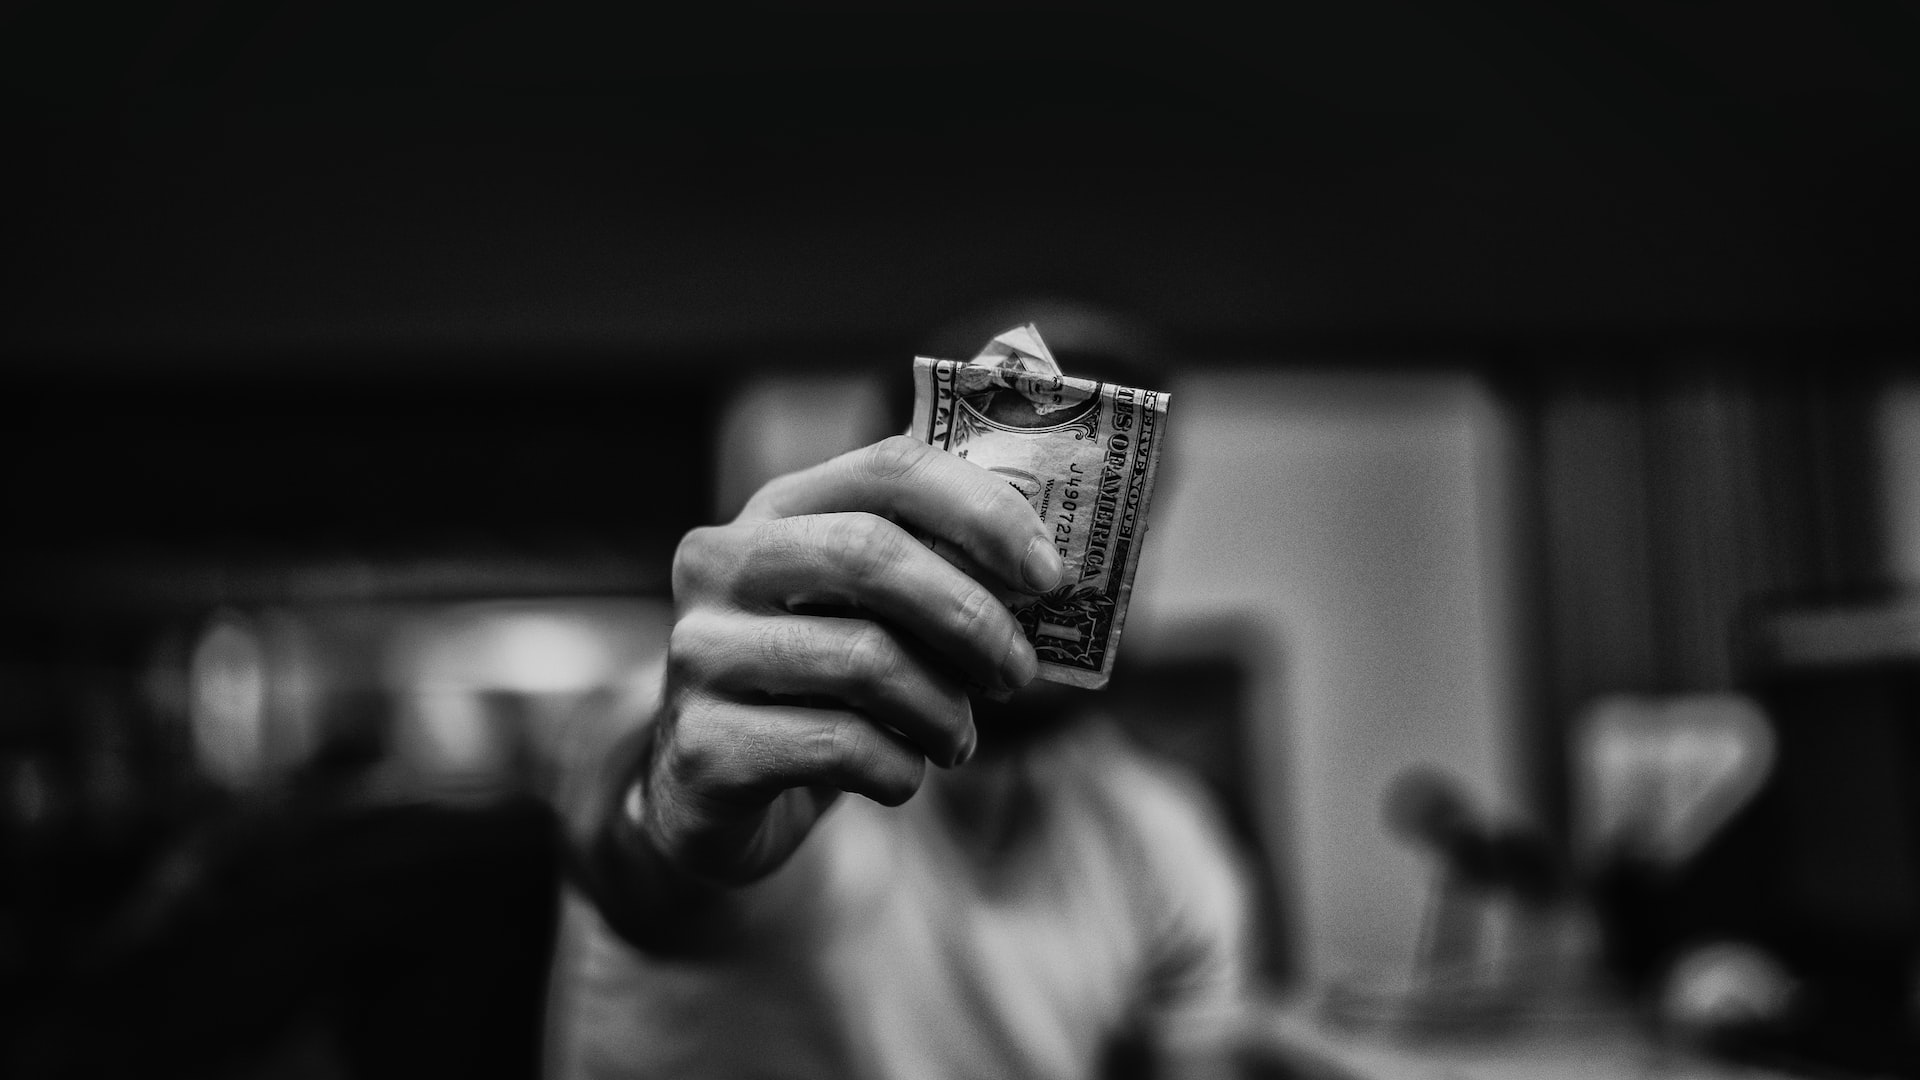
x: 1360, y: 522
x: 1898, y: 434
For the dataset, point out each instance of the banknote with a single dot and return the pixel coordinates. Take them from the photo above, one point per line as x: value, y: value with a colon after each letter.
x: 1084, y: 454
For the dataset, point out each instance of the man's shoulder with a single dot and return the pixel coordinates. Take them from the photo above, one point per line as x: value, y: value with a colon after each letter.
x: 1190, y: 881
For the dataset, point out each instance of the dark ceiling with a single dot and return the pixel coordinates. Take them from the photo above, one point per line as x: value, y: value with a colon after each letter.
x: 220, y: 183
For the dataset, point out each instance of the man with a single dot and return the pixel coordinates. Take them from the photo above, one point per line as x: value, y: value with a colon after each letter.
x: 1050, y: 895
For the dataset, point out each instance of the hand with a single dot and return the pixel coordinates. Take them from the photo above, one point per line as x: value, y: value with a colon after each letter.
x: 821, y: 646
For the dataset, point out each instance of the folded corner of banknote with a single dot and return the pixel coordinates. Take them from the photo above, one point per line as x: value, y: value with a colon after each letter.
x: 1083, y: 453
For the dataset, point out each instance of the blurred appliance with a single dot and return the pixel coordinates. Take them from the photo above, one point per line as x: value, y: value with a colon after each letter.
x: 1821, y: 869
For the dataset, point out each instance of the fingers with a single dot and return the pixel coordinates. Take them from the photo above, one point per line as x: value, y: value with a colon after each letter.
x: 932, y: 492
x: 733, y: 753
x: 821, y: 646
x: 867, y: 565
x: 861, y: 665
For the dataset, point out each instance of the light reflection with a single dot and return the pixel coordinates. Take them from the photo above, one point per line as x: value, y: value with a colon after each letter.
x: 226, y: 708
x: 483, y: 691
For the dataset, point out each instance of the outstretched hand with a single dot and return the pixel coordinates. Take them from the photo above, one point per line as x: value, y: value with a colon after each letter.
x: 820, y: 645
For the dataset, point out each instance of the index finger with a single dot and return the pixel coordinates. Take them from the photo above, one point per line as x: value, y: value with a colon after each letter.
x: 932, y: 492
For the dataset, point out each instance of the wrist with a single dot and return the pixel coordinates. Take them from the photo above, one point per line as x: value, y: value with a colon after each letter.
x: 641, y: 892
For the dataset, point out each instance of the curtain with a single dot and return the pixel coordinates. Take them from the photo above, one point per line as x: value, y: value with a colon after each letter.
x: 1670, y: 503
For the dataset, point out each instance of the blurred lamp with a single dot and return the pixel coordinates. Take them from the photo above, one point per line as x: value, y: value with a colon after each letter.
x: 227, y: 704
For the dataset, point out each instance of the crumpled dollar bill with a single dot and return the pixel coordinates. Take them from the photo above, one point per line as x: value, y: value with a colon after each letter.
x: 1084, y: 454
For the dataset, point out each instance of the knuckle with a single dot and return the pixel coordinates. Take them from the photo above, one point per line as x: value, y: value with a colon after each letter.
x: 977, y: 615
x: 695, y: 561
x: 896, y: 457
x: 864, y: 543
x: 688, y: 644
x: 769, y: 540
x: 698, y: 742
x: 848, y: 753
x: 869, y: 659
x: 788, y: 643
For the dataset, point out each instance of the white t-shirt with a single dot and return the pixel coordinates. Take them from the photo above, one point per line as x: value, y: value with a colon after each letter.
x: 884, y: 950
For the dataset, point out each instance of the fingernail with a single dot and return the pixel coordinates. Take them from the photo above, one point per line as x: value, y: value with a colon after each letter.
x: 1042, y: 567
x: 966, y: 752
x: 1019, y: 666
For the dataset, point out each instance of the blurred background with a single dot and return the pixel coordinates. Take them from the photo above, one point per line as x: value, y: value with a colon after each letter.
x: 1540, y: 519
